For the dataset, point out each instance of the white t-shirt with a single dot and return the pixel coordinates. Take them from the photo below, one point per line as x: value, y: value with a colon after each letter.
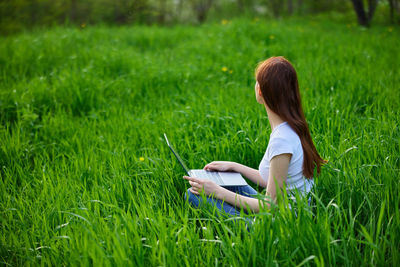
x: 284, y: 139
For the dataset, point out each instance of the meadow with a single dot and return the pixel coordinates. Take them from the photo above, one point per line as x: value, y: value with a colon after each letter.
x: 87, y: 179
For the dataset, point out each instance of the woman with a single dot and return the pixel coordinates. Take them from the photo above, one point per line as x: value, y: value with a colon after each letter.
x: 290, y: 158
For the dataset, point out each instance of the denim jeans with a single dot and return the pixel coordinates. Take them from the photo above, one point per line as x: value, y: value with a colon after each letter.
x: 226, y: 209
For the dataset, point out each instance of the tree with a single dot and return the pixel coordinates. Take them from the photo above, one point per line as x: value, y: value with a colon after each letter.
x: 394, y: 7
x: 201, y: 8
x: 162, y: 11
x: 290, y: 7
x: 364, y: 17
x: 276, y: 7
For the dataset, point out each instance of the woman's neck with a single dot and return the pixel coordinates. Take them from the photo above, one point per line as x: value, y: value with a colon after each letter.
x: 273, y: 118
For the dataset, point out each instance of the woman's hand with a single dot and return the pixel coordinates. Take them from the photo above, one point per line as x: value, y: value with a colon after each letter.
x: 220, y: 166
x: 203, y: 185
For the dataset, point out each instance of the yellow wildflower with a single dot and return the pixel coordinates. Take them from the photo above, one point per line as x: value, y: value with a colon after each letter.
x: 141, y: 159
x: 231, y: 71
x: 224, y: 22
x: 224, y: 69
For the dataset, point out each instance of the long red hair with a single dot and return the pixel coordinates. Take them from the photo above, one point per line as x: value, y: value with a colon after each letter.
x: 280, y: 90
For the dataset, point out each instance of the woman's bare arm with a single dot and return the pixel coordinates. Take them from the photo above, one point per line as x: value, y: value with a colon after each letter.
x: 277, y: 177
x: 252, y: 174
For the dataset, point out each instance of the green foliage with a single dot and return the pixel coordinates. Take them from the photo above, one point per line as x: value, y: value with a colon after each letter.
x: 19, y: 15
x: 86, y: 177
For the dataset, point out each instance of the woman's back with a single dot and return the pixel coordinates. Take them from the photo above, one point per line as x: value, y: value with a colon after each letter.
x: 284, y: 139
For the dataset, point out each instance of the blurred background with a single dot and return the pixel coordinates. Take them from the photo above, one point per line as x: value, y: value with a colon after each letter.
x: 18, y: 15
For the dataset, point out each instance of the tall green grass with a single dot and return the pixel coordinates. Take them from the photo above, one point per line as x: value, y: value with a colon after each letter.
x: 81, y: 107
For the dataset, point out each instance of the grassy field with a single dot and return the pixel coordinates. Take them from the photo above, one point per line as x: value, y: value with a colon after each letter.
x: 86, y: 177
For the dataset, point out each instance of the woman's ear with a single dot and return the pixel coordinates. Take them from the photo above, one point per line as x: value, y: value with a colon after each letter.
x: 259, y: 91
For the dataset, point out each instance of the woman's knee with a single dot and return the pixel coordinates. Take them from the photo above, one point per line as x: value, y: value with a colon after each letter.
x: 197, y: 201
x: 192, y: 198
x: 249, y: 191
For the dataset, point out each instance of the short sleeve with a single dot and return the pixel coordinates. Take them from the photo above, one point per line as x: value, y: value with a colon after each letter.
x: 278, y: 146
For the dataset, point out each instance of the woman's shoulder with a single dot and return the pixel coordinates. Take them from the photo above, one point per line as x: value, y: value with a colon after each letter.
x: 284, y: 134
x: 283, y: 140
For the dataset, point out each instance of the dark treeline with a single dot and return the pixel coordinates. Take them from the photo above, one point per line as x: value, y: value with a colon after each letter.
x: 16, y: 15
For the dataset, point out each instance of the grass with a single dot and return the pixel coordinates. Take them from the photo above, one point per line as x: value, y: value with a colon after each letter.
x: 80, y: 107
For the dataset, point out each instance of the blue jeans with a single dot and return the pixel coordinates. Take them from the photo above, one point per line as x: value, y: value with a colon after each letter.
x: 225, y: 208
